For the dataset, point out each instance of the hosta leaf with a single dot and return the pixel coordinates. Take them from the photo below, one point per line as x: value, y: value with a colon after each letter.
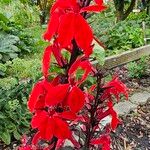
x: 13, y: 55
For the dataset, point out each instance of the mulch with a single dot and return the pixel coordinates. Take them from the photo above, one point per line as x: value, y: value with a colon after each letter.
x: 134, y: 133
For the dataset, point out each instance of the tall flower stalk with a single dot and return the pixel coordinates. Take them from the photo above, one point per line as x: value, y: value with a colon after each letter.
x: 63, y: 107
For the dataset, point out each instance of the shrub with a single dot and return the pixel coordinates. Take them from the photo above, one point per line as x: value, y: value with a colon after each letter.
x: 121, y: 36
x: 138, y: 69
x: 14, y: 116
x: 13, y: 41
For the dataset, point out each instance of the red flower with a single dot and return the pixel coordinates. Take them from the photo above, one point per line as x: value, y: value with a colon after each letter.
x: 103, y: 140
x: 68, y: 96
x: 56, y: 94
x: 37, y: 96
x: 55, y: 49
x: 85, y: 65
x: 76, y: 99
x: 67, y: 24
x: 49, y: 126
x: 116, y: 88
x: 115, y: 121
x: 110, y: 111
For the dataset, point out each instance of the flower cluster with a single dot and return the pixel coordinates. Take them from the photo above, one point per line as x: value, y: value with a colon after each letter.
x: 61, y: 105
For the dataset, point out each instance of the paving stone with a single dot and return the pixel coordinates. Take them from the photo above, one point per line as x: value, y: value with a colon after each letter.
x: 140, y: 98
x: 123, y: 108
x: 105, y: 121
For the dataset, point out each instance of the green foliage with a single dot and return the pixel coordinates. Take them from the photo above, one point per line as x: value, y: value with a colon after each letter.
x: 124, y: 36
x: 138, y: 69
x: 14, y: 116
x: 25, y: 69
x: 98, y: 54
x: 20, y: 12
x: 119, y: 36
x: 14, y: 41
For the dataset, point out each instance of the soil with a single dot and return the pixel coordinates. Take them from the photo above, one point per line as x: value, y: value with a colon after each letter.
x: 134, y: 133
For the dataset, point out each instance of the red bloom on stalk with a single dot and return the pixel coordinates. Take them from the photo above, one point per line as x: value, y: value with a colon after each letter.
x: 67, y: 24
x: 114, y: 87
x: 49, y: 125
x: 67, y: 95
x: 85, y: 65
x: 37, y: 96
x: 104, y: 141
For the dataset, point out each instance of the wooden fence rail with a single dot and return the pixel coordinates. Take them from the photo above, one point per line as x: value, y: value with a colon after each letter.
x: 125, y: 57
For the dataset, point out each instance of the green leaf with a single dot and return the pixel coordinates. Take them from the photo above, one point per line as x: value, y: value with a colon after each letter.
x: 3, y: 18
x: 99, y: 53
x: 2, y: 116
x: 13, y: 55
x: 5, y: 136
x: 16, y: 135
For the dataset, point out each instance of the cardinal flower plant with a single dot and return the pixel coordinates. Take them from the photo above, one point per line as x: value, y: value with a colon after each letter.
x: 64, y: 109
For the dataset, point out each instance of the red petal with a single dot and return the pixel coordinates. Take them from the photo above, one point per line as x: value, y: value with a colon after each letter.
x: 115, y: 121
x: 44, y: 123
x: 66, y: 29
x: 46, y: 60
x: 68, y: 115
x: 103, y: 140
x: 57, y: 54
x: 63, y: 4
x: 61, y: 130
x: 47, y: 129
x: 83, y: 31
x: 52, y: 26
x: 36, y: 138
x: 59, y: 144
x: 93, y: 8
x: 84, y: 65
x: 76, y: 99
x: 39, y: 118
x: 34, y: 96
x: 99, y: 2
x: 56, y: 94
x: 115, y: 87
